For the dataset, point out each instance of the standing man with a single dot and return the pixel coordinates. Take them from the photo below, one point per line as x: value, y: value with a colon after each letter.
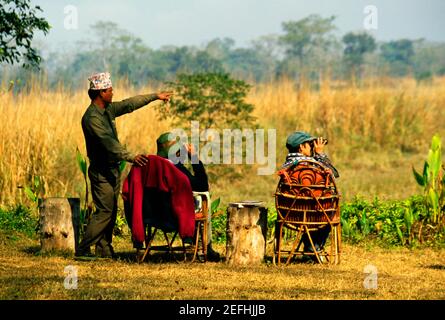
x: 105, y: 153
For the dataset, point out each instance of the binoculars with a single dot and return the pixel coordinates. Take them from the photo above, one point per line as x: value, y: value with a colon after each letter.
x: 325, y: 141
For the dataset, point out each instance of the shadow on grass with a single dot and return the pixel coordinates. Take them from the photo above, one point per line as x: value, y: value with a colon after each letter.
x: 36, y: 251
x: 32, y: 250
x: 160, y: 257
x: 436, y: 267
x: 41, y: 287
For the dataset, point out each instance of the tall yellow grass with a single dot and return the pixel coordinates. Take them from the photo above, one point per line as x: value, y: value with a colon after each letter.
x: 381, y: 127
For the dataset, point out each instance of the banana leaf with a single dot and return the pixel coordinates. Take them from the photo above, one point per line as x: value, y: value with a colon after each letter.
x: 30, y: 194
x: 409, y: 219
x: 36, y: 182
x: 400, y: 234
x: 81, y: 162
x: 434, y: 202
x: 214, y: 206
x: 434, y: 156
x: 345, y: 226
x: 420, y: 179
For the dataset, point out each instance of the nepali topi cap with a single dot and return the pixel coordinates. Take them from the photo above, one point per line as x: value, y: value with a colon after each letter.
x: 100, y: 81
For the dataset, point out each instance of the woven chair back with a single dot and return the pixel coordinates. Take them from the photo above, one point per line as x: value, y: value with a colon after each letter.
x: 307, y: 193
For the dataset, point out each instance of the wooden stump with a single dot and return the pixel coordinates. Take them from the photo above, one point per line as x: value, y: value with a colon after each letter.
x: 59, y: 224
x: 246, y: 233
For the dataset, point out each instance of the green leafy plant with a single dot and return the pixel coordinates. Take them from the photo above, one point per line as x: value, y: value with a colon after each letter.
x: 219, y: 221
x: 35, y: 190
x: 363, y: 224
x: 120, y: 225
x: 85, y: 212
x: 389, y: 222
x: 19, y: 219
x: 214, y: 206
x: 432, y: 180
x: 271, y: 220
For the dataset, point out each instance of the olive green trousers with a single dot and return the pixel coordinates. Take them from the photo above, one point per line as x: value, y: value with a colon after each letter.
x: 105, y: 188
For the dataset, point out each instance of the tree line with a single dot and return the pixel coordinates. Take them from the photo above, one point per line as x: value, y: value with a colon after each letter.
x: 307, y: 49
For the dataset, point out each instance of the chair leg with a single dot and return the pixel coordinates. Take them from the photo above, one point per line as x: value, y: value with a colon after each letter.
x: 201, y: 236
x: 337, y: 243
x: 148, y: 245
x: 334, y: 245
x: 280, y: 237
x: 276, y: 243
x: 204, y: 239
x: 184, y: 251
x: 195, y: 251
x: 334, y: 254
x: 312, y: 244
x: 294, y: 246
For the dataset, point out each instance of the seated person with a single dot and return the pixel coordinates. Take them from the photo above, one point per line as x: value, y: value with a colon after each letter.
x: 302, y: 146
x: 198, y: 180
x: 159, y: 195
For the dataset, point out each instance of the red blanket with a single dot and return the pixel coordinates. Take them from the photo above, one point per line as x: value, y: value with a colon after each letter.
x: 161, y: 174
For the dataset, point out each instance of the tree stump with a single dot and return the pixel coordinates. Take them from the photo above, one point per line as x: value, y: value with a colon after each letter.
x: 246, y: 233
x: 59, y: 224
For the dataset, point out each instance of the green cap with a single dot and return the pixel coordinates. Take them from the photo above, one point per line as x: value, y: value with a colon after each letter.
x: 297, y: 138
x: 166, y: 143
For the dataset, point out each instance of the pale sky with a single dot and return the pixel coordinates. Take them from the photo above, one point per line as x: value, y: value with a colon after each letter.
x: 195, y: 22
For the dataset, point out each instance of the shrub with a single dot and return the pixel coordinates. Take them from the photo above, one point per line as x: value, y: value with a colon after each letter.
x: 19, y: 219
x: 391, y: 222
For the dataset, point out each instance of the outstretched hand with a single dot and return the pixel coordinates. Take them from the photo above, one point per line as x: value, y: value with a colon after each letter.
x: 165, y: 96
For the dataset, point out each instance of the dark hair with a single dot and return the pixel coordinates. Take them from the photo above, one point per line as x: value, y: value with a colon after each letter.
x: 93, y: 94
x: 296, y: 149
x: 292, y: 149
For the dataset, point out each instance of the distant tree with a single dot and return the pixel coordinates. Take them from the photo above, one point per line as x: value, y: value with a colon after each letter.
x: 399, y: 55
x: 269, y: 51
x: 356, y: 46
x: 305, y: 36
x: 214, y: 99
x: 203, y: 62
x: 220, y: 48
x: 428, y: 57
x: 179, y: 60
x: 18, y: 23
x: 269, y: 45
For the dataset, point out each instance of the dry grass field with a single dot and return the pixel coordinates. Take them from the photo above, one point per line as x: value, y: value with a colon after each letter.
x: 384, y: 127
x: 401, y: 274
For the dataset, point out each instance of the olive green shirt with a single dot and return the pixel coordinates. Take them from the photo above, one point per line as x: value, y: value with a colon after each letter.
x: 99, y: 129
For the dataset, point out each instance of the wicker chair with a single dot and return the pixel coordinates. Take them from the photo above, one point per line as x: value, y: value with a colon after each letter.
x: 306, y: 200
